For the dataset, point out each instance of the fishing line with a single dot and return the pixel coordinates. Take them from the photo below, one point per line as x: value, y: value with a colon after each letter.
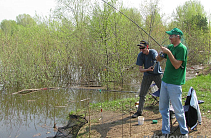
x: 132, y: 21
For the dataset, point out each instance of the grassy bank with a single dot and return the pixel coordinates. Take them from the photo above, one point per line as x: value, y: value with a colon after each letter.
x: 201, y: 84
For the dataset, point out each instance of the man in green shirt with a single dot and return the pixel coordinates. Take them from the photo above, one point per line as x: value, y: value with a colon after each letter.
x: 173, y: 78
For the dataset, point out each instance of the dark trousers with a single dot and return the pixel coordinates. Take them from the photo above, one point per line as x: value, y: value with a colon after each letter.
x: 145, y: 84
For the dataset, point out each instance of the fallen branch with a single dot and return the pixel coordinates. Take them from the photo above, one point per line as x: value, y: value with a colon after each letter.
x: 27, y: 91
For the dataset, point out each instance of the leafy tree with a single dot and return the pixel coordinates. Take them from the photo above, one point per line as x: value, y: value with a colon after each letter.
x: 185, y: 13
x: 9, y: 27
x: 153, y: 23
x: 200, y: 22
x: 25, y: 20
x: 90, y: 42
x: 192, y: 20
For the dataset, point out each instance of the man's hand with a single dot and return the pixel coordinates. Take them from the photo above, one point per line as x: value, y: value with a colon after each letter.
x: 160, y: 56
x: 150, y: 68
x: 141, y: 69
x: 165, y: 50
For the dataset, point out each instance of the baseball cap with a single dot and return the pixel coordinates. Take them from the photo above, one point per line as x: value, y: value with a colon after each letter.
x: 143, y: 43
x: 175, y: 31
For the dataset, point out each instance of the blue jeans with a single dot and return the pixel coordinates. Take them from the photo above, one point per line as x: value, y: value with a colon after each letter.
x: 173, y: 93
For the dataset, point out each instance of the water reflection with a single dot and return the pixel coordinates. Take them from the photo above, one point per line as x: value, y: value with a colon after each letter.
x: 34, y: 114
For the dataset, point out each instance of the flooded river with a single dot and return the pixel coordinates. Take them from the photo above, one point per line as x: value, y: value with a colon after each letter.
x: 34, y: 114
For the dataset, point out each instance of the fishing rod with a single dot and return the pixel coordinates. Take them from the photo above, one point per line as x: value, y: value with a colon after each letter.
x: 131, y: 21
x: 161, y: 54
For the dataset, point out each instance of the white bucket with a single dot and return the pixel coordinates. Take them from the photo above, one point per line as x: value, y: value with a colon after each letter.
x: 140, y: 120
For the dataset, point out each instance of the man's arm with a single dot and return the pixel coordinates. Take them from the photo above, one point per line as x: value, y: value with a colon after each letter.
x: 176, y: 63
x: 141, y: 69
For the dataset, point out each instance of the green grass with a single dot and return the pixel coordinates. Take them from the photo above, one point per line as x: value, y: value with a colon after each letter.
x: 117, y: 105
x: 201, y: 84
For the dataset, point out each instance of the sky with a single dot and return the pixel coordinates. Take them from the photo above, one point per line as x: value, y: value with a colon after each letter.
x: 9, y: 9
x: 168, y: 6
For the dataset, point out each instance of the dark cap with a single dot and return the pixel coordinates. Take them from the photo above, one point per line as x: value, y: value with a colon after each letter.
x: 175, y: 31
x: 143, y: 43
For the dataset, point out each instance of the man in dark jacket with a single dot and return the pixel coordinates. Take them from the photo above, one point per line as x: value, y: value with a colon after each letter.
x: 147, y: 63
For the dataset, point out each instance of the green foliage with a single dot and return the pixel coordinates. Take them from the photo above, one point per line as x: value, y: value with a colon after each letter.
x: 200, y: 22
x: 202, y: 86
x: 25, y: 20
x: 192, y: 20
x: 9, y: 27
x: 86, y: 43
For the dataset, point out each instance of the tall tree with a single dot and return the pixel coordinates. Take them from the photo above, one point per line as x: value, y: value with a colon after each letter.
x: 191, y: 19
x: 9, y: 27
x: 25, y: 20
x: 153, y: 22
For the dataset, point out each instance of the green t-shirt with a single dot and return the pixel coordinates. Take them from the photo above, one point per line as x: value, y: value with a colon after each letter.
x: 172, y: 75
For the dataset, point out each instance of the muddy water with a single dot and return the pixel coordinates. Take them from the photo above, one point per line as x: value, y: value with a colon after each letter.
x: 34, y: 114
